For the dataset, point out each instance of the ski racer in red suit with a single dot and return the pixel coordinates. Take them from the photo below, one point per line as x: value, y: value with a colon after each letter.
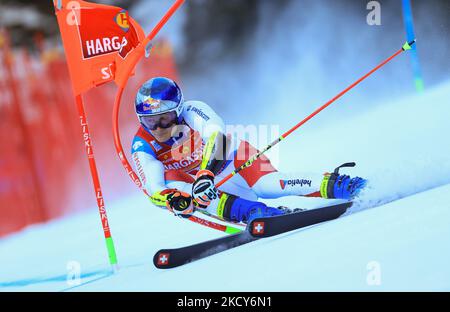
x: 181, y: 150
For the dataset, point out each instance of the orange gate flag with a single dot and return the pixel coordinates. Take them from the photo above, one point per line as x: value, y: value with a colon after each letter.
x: 98, y: 39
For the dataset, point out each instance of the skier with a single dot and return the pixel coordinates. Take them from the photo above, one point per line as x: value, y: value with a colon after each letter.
x: 181, y: 149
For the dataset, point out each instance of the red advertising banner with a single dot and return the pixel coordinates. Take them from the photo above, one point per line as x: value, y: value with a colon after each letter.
x: 97, y: 39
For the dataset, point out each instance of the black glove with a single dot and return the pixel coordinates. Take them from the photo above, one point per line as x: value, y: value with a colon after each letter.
x: 179, y: 203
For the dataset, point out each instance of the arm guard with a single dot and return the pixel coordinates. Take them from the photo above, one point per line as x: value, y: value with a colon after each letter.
x: 215, y: 152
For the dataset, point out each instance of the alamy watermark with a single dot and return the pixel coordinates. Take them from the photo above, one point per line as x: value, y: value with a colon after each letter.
x: 374, y: 16
x: 373, y: 277
x: 243, y: 142
x: 73, y: 277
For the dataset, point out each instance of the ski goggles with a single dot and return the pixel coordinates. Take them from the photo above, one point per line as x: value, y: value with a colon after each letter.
x: 162, y: 121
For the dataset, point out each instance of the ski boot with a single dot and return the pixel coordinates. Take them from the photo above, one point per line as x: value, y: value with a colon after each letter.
x: 236, y: 209
x: 339, y: 186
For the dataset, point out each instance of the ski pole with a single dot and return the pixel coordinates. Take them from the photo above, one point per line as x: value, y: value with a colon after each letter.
x: 405, y: 47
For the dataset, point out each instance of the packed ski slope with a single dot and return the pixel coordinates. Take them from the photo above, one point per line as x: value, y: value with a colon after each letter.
x: 401, y: 146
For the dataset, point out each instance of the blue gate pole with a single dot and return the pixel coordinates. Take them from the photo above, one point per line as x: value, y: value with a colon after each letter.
x: 410, y: 35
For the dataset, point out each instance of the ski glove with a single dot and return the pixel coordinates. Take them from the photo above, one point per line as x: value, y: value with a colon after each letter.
x: 179, y: 203
x: 203, y: 189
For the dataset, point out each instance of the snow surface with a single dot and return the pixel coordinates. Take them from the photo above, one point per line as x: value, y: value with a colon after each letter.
x: 401, y: 146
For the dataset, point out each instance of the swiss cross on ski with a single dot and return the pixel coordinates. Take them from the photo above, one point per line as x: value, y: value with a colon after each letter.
x: 258, y: 228
x: 163, y: 259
